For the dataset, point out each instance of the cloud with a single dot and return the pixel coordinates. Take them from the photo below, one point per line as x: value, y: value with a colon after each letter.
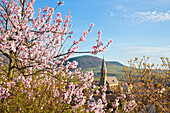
x: 111, y: 13
x: 119, y: 7
x: 153, y: 51
x: 148, y: 16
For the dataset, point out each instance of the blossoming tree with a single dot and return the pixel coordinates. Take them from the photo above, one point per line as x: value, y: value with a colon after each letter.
x: 34, y: 74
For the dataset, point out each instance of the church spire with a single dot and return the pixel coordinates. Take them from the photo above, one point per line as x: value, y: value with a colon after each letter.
x: 103, y: 77
x: 103, y: 64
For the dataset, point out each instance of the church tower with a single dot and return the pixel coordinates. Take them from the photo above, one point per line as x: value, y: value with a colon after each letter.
x: 103, y: 77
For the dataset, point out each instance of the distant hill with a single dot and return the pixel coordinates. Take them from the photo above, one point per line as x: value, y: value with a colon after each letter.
x: 88, y: 62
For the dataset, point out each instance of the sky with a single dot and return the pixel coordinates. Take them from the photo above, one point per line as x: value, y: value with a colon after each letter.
x: 137, y: 27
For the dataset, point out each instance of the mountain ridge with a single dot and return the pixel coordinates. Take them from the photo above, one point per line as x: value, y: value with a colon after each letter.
x: 87, y: 61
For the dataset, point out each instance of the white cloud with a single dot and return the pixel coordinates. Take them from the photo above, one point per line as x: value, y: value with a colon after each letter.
x: 148, y: 16
x: 119, y: 7
x: 153, y: 51
x: 111, y: 13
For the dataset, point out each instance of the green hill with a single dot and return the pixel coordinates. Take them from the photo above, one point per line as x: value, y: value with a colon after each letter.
x: 88, y: 62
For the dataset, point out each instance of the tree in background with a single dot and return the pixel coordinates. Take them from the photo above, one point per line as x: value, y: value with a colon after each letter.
x: 150, y: 84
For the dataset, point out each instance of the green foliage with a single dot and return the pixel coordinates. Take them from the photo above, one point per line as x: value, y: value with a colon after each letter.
x: 112, y: 70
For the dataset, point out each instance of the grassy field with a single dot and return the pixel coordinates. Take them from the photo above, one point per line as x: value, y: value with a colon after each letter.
x: 112, y: 70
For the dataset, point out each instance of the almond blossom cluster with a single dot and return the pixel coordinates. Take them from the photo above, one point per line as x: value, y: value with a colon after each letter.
x: 35, y: 72
x: 4, y: 92
x: 126, y: 104
x: 129, y: 106
x: 100, y: 106
x: 36, y: 40
x: 62, y: 90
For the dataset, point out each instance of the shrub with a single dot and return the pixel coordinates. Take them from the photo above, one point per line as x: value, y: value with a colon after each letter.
x: 150, y: 84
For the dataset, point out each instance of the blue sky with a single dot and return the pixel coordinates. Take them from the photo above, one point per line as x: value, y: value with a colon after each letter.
x: 137, y: 27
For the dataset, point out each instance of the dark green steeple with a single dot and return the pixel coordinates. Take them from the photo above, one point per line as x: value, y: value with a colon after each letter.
x: 103, y: 77
x: 103, y: 65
